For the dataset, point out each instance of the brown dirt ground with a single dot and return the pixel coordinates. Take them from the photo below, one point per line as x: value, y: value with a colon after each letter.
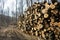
x: 11, y: 33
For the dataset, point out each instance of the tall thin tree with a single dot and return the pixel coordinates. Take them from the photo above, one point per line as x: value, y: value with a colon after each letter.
x: 2, y: 19
x: 8, y: 16
x: 22, y: 6
x: 27, y: 2
x: 16, y: 11
x: 3, y: 6
x: 31, y: 2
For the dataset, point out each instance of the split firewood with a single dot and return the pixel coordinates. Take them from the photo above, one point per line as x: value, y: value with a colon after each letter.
x: 52, y: 6
x: 46, y: 15
x: 41, y: 19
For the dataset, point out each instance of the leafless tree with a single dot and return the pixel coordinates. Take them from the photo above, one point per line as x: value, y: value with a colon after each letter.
x: 16, y: 10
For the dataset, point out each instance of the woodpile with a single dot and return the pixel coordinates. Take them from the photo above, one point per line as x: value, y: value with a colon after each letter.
x: 42, y: 19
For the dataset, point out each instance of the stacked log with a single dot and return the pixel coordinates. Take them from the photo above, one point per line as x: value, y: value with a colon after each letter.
x: 42, y: 20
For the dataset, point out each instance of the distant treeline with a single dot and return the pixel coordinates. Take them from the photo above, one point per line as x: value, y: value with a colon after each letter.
x: 6, y: 20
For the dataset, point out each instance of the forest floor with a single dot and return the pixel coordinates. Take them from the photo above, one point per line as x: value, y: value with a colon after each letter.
x: 13, y: 33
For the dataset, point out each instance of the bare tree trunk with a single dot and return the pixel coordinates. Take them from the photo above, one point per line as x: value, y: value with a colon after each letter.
x: 3, y: 7
x: 16, y: 11
x: 8, y: 19
x: 27, y: 3
x: 38, y: 0
x: 2, y: 11
x: 22, y: 6
x: 31, y: 2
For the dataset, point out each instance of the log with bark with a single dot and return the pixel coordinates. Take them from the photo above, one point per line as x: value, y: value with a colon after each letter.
x: 42, y: 19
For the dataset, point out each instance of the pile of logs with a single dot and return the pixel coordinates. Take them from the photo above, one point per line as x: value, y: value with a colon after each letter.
x: 42, y: 20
